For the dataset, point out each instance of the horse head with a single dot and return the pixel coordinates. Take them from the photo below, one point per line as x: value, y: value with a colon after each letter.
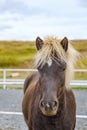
x: 52, y: 76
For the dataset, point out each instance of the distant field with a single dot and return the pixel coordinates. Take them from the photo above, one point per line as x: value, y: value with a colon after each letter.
x: 81, y: 46
x: 16, y: 54
x: 19, y: 54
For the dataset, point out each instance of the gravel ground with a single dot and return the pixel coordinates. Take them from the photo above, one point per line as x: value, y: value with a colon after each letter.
x: 10, y: 100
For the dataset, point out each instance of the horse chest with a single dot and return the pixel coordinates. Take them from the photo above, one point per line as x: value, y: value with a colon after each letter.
x: 48, y: 123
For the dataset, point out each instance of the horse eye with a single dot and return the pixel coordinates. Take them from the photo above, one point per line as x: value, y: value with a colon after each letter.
x: 64, y: 68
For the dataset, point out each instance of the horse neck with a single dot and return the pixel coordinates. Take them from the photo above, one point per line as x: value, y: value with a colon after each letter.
x: 62, y: 101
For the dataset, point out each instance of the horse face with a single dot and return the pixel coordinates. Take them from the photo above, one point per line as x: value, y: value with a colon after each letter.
x: 52, y: 81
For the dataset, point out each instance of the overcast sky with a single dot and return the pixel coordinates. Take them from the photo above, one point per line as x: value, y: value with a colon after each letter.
x: 27, y: 19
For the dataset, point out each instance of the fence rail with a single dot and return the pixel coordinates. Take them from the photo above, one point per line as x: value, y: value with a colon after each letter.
x: 5, y: 81
x: 21, y: 114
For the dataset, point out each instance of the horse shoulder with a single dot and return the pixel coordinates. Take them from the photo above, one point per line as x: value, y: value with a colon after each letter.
x: 29, y: 87
x: 29, y: 80
x: 70, y: 110
x: 70, y: 98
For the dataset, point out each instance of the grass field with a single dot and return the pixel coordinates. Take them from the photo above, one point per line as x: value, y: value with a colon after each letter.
x: 16, y: 54
x: 19, y: 54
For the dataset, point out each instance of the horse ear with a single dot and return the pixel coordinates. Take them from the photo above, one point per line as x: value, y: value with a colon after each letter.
x: 39, y: 43
x: 64, y: 43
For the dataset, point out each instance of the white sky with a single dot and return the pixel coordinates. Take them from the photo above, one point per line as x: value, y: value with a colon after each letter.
x: 27, y: 19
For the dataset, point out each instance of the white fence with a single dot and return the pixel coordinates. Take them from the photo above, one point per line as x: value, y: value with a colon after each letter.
x: 21, y: 114
x: 5, y: 81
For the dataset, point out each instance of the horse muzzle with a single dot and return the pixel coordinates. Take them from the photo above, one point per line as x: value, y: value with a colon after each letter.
x: 49, y: 108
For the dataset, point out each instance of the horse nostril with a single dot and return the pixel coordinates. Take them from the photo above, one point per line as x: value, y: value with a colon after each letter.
x: 42, y: 104
x: 48, y: 104
x: 54, y: 103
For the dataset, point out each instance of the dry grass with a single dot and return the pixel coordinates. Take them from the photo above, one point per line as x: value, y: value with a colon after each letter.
x: 16, y: 54
x: 19, y: 54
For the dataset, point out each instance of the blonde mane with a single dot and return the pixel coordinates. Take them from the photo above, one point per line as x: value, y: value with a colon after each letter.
x: 51, y: 45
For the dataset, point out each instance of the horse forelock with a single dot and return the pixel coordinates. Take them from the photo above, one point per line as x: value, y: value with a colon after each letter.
x: 52, y: 45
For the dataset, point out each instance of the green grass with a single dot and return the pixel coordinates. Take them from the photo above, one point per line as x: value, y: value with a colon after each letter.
x: 82, y: 63
x: 19, y: 54
x: 80, y: 45
x: 13, y: 54
x: 79, y: 88
x: 81, y: 76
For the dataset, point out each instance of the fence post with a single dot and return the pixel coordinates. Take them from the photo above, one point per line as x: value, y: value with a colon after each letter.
x: 4, y: 78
